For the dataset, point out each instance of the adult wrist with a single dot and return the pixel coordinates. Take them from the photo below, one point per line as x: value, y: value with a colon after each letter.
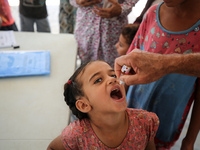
x: 166, y: 64
x: 172, y: 63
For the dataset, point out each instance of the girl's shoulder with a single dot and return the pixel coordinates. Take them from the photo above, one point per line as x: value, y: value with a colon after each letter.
x: 76, y: 129
x: 143, y: 122
x: 78, y: 126
x: 151, y: 13
x: 153, y: 9
x: 140, y: 114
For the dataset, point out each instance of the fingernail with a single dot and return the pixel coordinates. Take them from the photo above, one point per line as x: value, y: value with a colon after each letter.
x: 121, y: 82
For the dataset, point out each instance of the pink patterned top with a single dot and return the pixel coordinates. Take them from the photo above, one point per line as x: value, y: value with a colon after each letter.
x: 142, y: 128
x: 96, y: 37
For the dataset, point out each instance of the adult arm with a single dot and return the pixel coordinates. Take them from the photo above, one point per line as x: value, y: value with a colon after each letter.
x: 151, y: 145
x: 194, y: 126
x: 56, y: 144
x: 113, y: 11
x: 84, y: 3
x: 116, y: 9
x: 149, y: 67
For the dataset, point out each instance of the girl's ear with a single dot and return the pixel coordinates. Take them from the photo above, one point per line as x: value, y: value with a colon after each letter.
x: 83, y: 105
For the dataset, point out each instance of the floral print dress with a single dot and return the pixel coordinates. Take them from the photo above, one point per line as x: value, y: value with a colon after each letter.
x: 96, y: 37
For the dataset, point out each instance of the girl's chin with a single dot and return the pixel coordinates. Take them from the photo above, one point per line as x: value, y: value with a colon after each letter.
x: 122, y: 103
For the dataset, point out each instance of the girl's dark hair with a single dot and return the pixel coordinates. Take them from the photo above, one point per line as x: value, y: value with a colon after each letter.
x: 72, y: 90
x: 129, y: 31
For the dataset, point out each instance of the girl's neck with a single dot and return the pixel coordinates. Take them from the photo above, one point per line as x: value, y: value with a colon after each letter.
x: 111, y: 130
x: 180, y: 17
x: 107, y: 121
x: 186, y: 7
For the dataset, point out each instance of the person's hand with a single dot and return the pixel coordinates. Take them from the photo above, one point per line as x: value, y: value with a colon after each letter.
x: 113, y: 11
x: 86, y: 3
x: 147, y: 67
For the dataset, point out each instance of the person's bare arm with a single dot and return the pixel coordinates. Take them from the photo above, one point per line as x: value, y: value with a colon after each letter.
x: 113, y: 11
x: 149, y: 67
x: 188, y: 64
x: 56, y: 144
x: 86, y: 3
x: 194, y: 126
x: 151, y: 145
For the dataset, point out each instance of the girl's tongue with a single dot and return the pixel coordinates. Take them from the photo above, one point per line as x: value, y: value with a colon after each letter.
x: 116, y: 94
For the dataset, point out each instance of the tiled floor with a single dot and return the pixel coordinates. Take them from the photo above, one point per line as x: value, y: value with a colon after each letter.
x: 53, y: 18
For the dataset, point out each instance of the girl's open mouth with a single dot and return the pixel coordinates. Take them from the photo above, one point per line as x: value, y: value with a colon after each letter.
x: 116, y: 94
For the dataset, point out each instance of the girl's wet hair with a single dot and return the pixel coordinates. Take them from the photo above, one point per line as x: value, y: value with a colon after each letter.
x: 129, y: 31
x: 73, y: 90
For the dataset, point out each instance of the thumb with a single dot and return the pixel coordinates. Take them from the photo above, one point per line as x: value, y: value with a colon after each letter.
x: 130, y: 79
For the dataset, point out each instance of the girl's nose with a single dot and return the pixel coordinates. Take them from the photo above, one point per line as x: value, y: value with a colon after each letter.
x: 116, y: 45
x: 112, y: 80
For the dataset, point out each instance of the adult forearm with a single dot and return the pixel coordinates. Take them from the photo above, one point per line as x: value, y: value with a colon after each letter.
x: 149, y: 67
x: 188, y: 64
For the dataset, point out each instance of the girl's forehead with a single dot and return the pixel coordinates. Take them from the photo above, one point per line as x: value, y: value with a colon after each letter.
x: 97, y: 65
x: 94, y: 67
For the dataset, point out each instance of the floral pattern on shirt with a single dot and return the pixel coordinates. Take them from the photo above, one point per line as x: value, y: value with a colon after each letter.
x: 159, y: 95
x: 142, y: 129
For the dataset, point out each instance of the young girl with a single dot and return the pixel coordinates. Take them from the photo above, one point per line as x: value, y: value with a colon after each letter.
x: 170, y: 27
x: 95, y: 96
x: 126, y: 38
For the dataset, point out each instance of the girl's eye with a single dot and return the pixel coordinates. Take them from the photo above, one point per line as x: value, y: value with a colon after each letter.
x: 114, y: 76
x: 98, y: 80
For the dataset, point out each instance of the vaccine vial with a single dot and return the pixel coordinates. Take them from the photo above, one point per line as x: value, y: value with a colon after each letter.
x: 124, y: 70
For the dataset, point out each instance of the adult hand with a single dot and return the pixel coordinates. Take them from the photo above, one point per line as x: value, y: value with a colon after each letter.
x: 113, y: 11
x: 147, y: 67
x: 86, y: 3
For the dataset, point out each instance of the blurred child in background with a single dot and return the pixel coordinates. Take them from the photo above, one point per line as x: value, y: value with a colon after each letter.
x: 126, y: 37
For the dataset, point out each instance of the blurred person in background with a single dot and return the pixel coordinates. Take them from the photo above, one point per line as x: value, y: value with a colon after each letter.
x: 7, y: 22
x: 34, y: 12
x: 67, y: 17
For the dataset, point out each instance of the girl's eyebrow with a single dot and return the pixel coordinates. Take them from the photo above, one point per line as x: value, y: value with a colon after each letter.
x: 110, y: 70
x: 94, y: 76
